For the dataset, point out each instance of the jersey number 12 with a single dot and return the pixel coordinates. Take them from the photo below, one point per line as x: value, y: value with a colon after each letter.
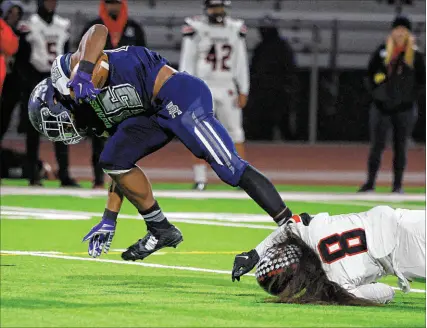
x: 224, y: 56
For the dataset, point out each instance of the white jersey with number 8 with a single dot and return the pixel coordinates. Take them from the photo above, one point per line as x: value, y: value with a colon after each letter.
x: 357, y: 249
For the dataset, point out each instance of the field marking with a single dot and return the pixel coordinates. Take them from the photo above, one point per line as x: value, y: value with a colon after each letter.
x: 148, y: 265
x: 187, y: 194
x: 9, y: 212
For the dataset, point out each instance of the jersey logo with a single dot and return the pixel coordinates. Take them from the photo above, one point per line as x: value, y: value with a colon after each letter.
x: 173, y: 110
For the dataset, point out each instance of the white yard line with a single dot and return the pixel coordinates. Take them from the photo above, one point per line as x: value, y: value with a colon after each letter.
x: 187, y: 194
x: 143, y: 264
x: 22, y: 213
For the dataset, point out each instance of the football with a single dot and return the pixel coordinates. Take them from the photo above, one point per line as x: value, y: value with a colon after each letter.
x: 100, y: 72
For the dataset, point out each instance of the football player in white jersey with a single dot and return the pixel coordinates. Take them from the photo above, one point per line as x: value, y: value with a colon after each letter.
x: 214, y: 50
x: 351, y: 251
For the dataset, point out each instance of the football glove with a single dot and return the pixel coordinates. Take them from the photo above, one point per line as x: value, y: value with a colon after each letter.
x: 100, y: 237
x: 243, y: 263
x: 82, y: 86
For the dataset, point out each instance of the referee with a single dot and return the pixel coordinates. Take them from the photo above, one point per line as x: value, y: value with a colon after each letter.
x: 396, y: 75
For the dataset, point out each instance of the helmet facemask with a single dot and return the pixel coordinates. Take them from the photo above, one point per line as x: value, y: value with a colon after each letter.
x: 59, y: 127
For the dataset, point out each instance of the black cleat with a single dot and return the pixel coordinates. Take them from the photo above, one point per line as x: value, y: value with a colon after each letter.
x: 200, y: 186
x: 366, y: 188
x: 69, y: 182
x: 397, y: 190
x: 152, y: 242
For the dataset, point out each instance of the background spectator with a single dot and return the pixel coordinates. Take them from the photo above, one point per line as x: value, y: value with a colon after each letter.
x: 396, y: 74
x: 11, y: 14
x: 122, y: 32
x: 273, y: 84
x: 47, y: 36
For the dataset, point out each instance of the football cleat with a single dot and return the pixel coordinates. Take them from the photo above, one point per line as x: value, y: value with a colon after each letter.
x: 153, y: 241
x: 366, y: 188
x: 200, y: 186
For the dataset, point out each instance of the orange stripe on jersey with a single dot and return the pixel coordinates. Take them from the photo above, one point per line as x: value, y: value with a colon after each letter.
x: 296, y: 218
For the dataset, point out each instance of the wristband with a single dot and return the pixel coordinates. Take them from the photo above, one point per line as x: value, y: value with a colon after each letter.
x: 110, y: 215
x: 86, y: 66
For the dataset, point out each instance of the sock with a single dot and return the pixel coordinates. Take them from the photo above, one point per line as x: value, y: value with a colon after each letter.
x: 200, y: 173
x: 263, y: 192
x: 154, y: 217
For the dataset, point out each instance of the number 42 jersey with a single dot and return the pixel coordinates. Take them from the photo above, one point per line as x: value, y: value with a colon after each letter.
x: 216, y: 53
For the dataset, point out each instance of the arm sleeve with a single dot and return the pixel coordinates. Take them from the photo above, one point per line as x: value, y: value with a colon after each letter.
x: 241, y: 65
x: 188, y: 50
x: 8, y: 40
x: 376, y: 292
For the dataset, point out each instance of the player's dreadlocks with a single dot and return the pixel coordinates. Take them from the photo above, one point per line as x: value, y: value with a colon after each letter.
x: 293, y: 272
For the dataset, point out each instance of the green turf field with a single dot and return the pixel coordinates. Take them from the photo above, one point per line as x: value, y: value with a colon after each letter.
x: 47, y: 279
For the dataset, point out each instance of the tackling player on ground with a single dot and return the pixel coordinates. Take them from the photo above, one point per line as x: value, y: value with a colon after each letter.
x: 143, y: 104
x: 332, y: 256
x: 214, y: 50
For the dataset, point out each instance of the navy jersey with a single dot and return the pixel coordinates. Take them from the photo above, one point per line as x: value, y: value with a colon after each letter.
x: 129, y: 88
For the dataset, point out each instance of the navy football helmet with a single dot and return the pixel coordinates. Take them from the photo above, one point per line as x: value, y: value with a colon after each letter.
x: 52, y: 114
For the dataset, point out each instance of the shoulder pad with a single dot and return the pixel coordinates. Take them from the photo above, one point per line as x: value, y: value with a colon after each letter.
x: 24, y: 27
x: 239, y: 25
x: 243, y: 31
x: 34, y: 18
x: 64, y: 22
x: 188, y: 30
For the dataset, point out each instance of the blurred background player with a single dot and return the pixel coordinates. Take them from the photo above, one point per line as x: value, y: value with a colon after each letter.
x: 214, y: 49
x: 43, y: 37
x: 123, y: 31
x: 396, y: 76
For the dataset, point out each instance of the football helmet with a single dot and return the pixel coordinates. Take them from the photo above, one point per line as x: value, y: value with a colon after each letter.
x: 216, y: 18
x: 52, y: 114
x: 276, y: 269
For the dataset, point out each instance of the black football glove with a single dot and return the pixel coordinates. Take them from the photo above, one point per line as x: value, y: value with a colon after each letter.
x: 243, y: 263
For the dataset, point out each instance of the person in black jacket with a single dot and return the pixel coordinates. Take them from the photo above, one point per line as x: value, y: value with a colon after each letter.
x: 273, y: 84
x: 396, y: 75
x: 122, y: 32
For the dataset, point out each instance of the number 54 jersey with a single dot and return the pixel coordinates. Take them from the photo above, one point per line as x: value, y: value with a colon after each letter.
x: 216, y: 53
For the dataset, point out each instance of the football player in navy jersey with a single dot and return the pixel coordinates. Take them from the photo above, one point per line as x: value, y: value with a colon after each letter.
x: 143, y: 105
